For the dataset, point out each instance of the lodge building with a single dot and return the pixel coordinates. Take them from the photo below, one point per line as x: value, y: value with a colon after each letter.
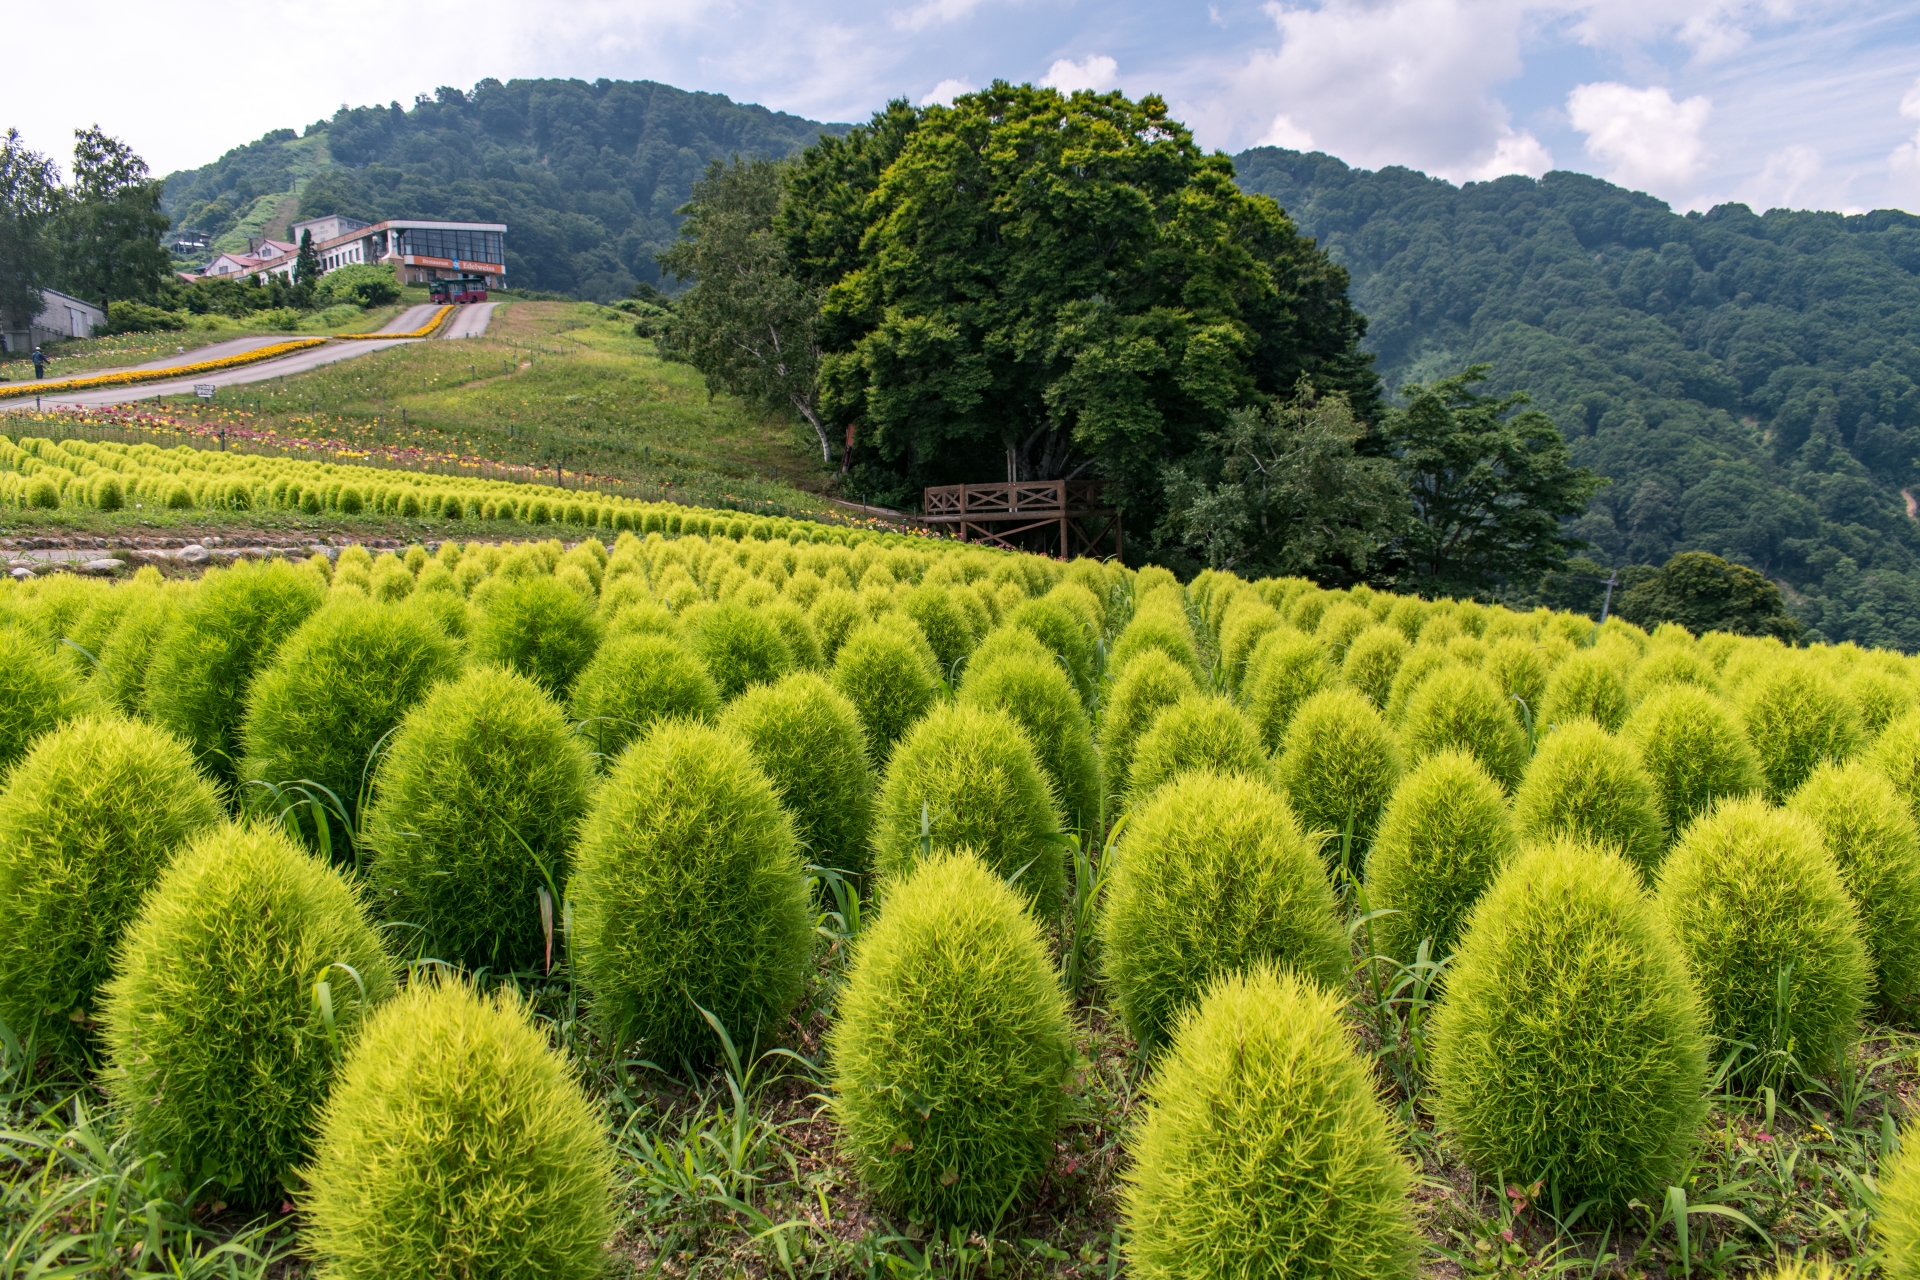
x: 419, y: 251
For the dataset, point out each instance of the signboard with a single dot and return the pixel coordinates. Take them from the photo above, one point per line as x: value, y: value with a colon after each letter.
x: 204, y: 390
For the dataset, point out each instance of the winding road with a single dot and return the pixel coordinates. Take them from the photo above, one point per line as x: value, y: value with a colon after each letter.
x: 466, y: 322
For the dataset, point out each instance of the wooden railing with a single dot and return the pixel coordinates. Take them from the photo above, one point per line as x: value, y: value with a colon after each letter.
x: 998, y: 513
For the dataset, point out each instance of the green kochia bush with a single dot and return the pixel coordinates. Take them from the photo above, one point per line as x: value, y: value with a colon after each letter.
x: 222, y: 634
x: 1263, y: 1150
x: 1064, y: 633
x: 1372, y: 660
x: 1896, y: 755
x: 1693, y: 751
x: 457, y: 1143
x: 1150, y: 683
x: 38, y: 691
x: 220, y: 1052
x: 127, y: 653
x: 951, y: 1049
x: 1896, y: 1219
x: 942, y: 622
x: 1164, y: 630
x: 1285, y: 669
x: 1568, y: 1048
x: 1871, y: 836
x: 1458, y: 708
x: 688, y: 890
x: 335, y: 687
x: 1585, y: 784
x: 476, y: 804
x: 541, y: 628
x: 88, y: 821
x: 976, y: 779
x: 1797, y: 719
x: 888, y: 681
x: 1589, y: 685
x: 740, y: 647
x: 1199, y: 732
x: 635, y: 680
x: 1213, y: 874
x: 1749, y: 891
x: 806, y: 738
x: 1445, y: 837
x: 1036, y: 692
x: 1338, y: 767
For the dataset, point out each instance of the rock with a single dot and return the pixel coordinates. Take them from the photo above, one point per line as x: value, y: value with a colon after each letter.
x: 102, y: 566
x: 23, y: 572
x: 194, y: 553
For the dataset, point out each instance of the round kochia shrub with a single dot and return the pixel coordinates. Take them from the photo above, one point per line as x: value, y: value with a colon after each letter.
x: 1065, y: 634
x: 88, y: 821
x: 888, y: 681
x: 127, y: 653
x: 1445, y: 837
x: 806, y: 738
x: 38, y: 691
x: 1372, y: 661
x: 1588, y: 685
x: 1586, y: 785
x: 740, y: 647
x: 219, y: 1051
x: 1896, y: 755
x: 688, y: 890
x: 1896, y: 1220
x: 1036, y: 692
x: 1150, y: 683
x: 1749, y: 891
x: 951, y: 1048
x: 1212, y: 875
x: 541, y: 628
x: 1693, y: 751
x: 456, y: 1142
x: 1263, y: 1150
x: 1199, y: 732
x: 1871, y: 836
x: 335, y: 687
x: 975, y: 778
x: 1568, y: 1048
x: 1460, y: 709
x: 1797, y: 719
x: 1338, y: 767
x: 221, y: 635
x: 475, y: 806
x: 1285, y: 669
x: 635, y: 680
x: 1163, y: 630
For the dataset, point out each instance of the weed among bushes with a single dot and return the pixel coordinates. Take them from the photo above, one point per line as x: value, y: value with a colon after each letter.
x: 951, y: 1051
x: 1586, y: 785
x: 1263, y: 1150
x: 88, y: 821
x: 457, y: 1142
x: 688, y: 894
x: 634, y: 681
x: 968, y: 778
x: 1568, y: 1048
x: 1444, y: 838
x: 1770, y: 935
x: 806, y: 738
x: 248, y: 969
x: 475, y: 806
x: 1212, y: 875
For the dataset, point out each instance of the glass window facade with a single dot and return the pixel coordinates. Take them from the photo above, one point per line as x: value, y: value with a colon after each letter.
x: 468, y: 246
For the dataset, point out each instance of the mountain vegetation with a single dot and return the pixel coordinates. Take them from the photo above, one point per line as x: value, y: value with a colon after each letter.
x: 588, y: 176
x: 1749, y: 383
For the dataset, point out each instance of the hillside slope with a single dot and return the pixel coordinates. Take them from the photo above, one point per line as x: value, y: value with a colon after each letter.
x: 586, y: 175
x: 1748, y: 382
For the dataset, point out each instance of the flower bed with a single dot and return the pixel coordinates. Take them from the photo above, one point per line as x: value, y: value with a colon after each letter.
x: 421, y: 332
x: 128, y: 377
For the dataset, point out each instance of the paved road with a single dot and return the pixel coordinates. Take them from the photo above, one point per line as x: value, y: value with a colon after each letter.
x: 298, y: 362
x: 193, y: 355
x: 469, y: 321
x: 410, y: 319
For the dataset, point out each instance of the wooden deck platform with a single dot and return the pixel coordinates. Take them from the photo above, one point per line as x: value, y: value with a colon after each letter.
x: 1057, y: 513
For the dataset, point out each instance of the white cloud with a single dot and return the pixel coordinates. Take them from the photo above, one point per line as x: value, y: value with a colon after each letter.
x: 1645, y: 139
x: 926, y: 14
x: 1095, y: 71
x: 1514, y: 152
x: 1786, y: 179
x: 1903, y: 164
x: 945, y: 92
x: 1283, y: 132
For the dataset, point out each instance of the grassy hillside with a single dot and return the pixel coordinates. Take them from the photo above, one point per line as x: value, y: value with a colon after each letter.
x: 587, y: 176
x: 1748, y: 382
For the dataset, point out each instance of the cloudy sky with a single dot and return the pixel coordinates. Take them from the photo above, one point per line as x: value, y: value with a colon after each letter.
x: 1773, y: 102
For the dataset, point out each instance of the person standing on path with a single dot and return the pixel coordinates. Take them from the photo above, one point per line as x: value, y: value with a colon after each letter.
x: 39, y: 364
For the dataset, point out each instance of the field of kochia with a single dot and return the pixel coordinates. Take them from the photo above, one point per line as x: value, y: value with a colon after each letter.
x: 739, y: 897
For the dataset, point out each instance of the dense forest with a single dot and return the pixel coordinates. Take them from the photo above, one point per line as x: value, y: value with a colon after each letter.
x: 1747, y: 382
x: 587, y: 175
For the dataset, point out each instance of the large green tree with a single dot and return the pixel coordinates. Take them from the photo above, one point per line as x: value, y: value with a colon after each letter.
x: 1490, y: 482
x: 1703, y: 593
x: 109, y: 223
x: 29, y: 192
x: 748, y: 323
x: 1033, y: 286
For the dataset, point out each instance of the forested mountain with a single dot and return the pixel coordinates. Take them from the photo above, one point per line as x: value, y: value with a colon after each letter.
x: 1748, y: 382
x: 586, y: 175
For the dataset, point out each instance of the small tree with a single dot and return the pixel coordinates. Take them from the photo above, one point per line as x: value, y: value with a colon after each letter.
x: 306, y: 264
x: 29, y: 193
x: 109, y: 225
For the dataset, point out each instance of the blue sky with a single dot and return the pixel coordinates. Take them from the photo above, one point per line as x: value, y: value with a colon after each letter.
x: 1773, y: 102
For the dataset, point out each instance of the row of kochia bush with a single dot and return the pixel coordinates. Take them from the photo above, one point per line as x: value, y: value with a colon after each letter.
x: 628, y: 759
x: 110, y: 476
